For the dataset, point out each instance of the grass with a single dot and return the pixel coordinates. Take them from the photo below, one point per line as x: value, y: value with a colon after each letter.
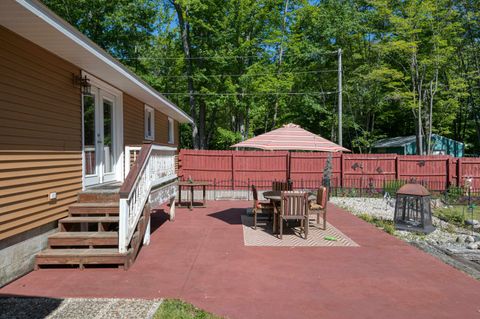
x: 457, y: 214
x: 387, y: 225
x: 177, y: 309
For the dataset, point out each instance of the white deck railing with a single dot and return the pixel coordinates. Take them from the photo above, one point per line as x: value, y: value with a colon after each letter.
x: 153, y: 171
x: 131, y: 155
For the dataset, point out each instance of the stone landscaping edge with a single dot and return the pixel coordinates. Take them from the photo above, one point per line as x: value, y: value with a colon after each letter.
x: 72, y: 308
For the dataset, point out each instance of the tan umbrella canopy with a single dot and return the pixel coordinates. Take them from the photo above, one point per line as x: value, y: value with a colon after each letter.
x: 291, y: 137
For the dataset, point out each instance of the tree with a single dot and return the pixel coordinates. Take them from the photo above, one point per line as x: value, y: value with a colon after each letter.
x: 244, y: 67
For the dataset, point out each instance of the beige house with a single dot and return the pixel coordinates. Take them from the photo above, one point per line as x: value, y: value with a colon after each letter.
x: 85, y: 146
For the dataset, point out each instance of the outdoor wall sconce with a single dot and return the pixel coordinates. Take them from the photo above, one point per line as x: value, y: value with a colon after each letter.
x: 421, y: 163
x: 379, y: 170
x: 83, y: 83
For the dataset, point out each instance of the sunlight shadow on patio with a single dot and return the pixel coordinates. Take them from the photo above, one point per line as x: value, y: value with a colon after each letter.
x: 230, y: 216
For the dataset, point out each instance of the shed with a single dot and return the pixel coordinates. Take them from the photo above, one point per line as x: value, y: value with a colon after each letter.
x: 407, y: 145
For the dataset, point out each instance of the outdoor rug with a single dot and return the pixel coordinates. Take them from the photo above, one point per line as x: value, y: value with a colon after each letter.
x: 263, y: 235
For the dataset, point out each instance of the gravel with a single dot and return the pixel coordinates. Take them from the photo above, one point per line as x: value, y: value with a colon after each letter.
x: 52, y: 308
x: 444, y: 234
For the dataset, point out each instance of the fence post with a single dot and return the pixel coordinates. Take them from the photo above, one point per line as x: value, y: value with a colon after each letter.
x: 459, y: 172
x: 215, y: 189
x: 397, y: 167
x: 449, y: 172
x: 233, y: 170
x: 289, y: 165
x: 342, y: 169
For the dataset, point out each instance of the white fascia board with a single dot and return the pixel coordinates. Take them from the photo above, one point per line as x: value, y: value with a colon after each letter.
x: 42, y: 12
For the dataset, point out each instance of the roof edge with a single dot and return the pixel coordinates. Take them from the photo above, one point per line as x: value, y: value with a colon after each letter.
x: 47, y: 15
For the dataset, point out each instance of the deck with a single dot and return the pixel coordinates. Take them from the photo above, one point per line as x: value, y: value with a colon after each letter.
x: 201, y: 258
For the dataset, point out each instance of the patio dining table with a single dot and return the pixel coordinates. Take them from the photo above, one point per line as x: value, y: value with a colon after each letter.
x: 275, y: 198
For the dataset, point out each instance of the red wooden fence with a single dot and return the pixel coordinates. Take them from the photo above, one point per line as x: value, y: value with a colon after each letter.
x: 348, y: 170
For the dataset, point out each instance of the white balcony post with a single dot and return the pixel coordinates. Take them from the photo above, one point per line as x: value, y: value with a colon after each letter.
x: 123, y: 225
x: 127, y: 160
x: 172, y: 209
x: 146, y: 238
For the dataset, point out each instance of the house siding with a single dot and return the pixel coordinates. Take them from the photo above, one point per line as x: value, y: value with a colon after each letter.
x: 40, y: 135
x: 134, y: 123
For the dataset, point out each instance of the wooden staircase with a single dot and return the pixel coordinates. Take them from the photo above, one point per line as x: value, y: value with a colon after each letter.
x: 89, y: 235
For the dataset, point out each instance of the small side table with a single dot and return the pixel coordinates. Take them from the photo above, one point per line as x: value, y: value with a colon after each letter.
x: 192, y: 185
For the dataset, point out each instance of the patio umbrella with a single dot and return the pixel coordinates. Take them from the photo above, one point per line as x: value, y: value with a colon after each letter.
x: 291, y: 137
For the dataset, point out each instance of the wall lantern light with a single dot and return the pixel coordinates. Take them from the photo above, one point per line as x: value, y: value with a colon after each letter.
x: 83, y: 83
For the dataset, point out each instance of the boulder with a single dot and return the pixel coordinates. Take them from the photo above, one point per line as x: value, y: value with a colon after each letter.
x: 469, y: 239
x: 472, y: 246
x: 471, y: 222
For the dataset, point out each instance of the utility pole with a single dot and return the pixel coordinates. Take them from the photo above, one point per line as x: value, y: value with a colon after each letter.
x: 340, y: 106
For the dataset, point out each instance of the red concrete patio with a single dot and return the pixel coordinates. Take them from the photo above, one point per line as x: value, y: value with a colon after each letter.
x: 201, y: 258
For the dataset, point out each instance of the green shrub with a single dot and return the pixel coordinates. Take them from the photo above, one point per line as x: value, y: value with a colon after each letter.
x: 453, y: 194
x: 366, y: 217
x: 387, y: 225
x: 175, y: 309
x: 389, y: 228
x: 392, y: 186
x: 454, y: 215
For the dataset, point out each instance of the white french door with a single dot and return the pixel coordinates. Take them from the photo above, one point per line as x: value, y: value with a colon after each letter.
x: 100, y: 138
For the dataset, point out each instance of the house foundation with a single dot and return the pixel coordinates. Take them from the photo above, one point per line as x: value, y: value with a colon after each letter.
x: 17, y: 253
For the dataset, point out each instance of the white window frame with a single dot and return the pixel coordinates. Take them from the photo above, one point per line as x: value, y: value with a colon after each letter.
x: 149, y: 110
x: 171, y: 131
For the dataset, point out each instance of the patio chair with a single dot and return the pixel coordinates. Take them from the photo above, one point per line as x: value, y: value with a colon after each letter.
x: 260, y: 207
x: 282, y: 186
x: 320, y: 205
x: 294, y: 206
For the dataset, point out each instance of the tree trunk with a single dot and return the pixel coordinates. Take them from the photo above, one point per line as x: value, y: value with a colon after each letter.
x: 280, y: 60
x: 433, y: 91
x: 202, y: 112
x: 185, y: 35
x: 417, y: 99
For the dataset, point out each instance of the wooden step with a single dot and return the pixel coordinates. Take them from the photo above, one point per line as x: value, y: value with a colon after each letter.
x: 83, y: 239
x: 105, y: 209
x: 89, y: 219
x: 98, y: 197
x: 100, y: 221
x: 81, y: 257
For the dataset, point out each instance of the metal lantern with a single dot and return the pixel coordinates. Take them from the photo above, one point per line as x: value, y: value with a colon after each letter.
x: 413, y: 210
x: 83, y: 83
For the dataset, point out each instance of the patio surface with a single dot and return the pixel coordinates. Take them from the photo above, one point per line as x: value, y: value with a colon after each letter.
x: 201, y: 258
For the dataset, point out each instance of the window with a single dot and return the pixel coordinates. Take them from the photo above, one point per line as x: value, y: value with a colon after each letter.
x: 171, y: 131
x: 149, y: 123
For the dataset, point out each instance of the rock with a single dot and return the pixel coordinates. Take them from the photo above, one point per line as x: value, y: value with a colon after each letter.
x: 472, y: 246
x: 460, y: 239
x: 436, y: 203
x: 471, y: 222
x: 469, y: 239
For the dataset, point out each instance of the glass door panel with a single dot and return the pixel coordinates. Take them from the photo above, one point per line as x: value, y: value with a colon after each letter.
x: 89, y: 134
x: 108, y: 148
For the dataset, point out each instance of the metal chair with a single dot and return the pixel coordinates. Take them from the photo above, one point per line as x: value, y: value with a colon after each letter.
x: 319, y: 206
x: 260, y: 207
x: 282, y: 186
x: 294, y: 206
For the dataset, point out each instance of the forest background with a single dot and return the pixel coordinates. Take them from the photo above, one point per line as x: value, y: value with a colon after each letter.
x: 240, y: 68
